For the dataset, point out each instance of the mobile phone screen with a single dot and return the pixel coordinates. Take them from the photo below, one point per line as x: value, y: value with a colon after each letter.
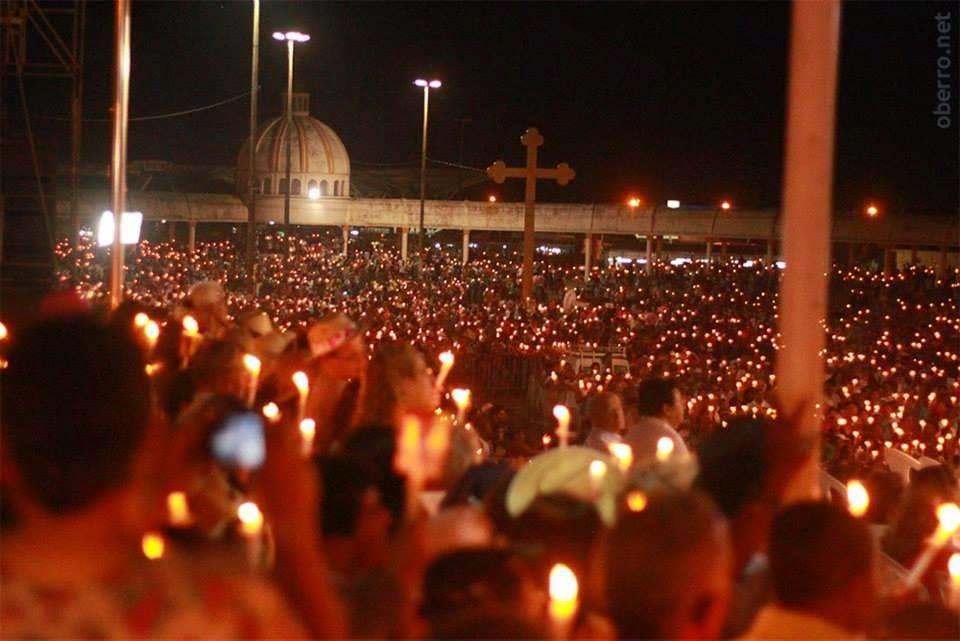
x: 239, y: 442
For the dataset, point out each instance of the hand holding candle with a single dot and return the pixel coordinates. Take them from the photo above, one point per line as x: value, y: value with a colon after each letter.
x: 948, y: 522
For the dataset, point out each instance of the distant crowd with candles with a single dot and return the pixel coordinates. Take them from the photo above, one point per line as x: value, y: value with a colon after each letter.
x: 331, y: 454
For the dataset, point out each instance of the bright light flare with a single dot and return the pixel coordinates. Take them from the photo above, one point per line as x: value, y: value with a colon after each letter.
x: 858, y: 499
x: 665, y: 447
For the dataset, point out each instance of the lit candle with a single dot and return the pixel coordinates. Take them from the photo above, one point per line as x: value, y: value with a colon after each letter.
x: 665, y: 447
x: 948, y: 521
x: 636, y: 501
x: 461, y: 397
x: 251, y: 527
x: 623, y: 454
x: 152, y: 332
x: 140, y: 320
x: 953, y: 567
x: 564, y: 590
x: 178, y: 511
x: 446, y: 363
x: 598, y: 470
x: 302, y: 384
x: 562, y: 414
x: 4, y: 334
x: 308, y: 431
x: 409, y: 460
x: 252, y: 364
x: 153, y: 545
x: 191, y: 335
x: 271, y: 412
x: 858, y: 500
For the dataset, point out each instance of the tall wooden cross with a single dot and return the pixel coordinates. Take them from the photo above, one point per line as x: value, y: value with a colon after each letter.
x: 499, y: 172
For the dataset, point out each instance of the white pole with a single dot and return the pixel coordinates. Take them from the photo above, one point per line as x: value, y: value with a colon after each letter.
x: 808, y: 179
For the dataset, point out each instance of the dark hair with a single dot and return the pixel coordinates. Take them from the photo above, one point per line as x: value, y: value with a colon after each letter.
x: 76, y: 402
x: 733, y: 464
x: 653, y: 393
x: 468, y: 579
x: 816, y: 551
x: 658, y: 559
x: 345, y: 480
x: 922, y: 621
x: 376, y: 446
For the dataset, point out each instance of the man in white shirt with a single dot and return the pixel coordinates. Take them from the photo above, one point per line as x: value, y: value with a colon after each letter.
x: 605, y: 414
x: 657, y: 413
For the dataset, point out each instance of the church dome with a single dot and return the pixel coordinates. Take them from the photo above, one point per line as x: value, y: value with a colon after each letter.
x: 319, y: 164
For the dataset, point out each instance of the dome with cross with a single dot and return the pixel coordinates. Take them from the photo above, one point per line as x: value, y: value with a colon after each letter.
x: 319, y: 163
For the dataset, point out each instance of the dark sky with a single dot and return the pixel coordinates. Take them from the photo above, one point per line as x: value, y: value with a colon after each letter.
x: 661, y: 99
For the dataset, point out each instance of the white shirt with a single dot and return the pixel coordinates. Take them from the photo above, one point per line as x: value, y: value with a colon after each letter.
x: 643, y: 435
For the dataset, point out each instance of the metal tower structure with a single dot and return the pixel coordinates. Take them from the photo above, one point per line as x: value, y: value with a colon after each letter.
x: 40, y: 40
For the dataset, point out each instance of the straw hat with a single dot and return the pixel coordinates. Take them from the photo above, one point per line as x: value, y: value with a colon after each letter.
x: 330, y: 334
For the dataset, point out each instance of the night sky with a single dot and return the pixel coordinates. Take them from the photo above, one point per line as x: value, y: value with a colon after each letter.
x: 659, y: 99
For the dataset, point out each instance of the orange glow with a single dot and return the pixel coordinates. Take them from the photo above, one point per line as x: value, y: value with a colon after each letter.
x: 633, y: 201
x: 725, y: 206
x: 872, y: 211
x: 492, y: 198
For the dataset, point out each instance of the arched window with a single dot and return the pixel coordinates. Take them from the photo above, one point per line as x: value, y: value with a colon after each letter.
x: 266, y: 186
x: 296, y: 187
x: 336, y: 187
x: 323, y: 187
x: 343, y: 188
x: 283, y: 186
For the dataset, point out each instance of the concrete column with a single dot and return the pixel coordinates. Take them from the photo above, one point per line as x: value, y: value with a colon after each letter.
x: 709, y: 251
x: 942, y: 263
x: 172, y: 231
x: 346, y: 240
x: 404, y: 238
x: 649, y: 254
x: 587, y: 255
x: 913, y: 255
x: 659, y: 247
x: 465, y: 253
x: 770, y: 248
x: 723, y: 252
x: 192, y: 235
x: 888, y: 260
x: 851, y: 254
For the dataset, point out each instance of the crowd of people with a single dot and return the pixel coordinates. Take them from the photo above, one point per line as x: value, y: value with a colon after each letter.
x: 330, y: 454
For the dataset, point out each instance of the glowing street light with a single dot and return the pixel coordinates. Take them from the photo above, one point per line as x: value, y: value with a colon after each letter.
x: 633, y: 202
x: 872, y: 211
x: 427, y: 86
x: 491, y: 198
x: 291, y: 38
x: 725, y: 205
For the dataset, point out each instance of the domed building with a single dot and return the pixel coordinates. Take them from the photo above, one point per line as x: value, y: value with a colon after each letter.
x: 319, y: 163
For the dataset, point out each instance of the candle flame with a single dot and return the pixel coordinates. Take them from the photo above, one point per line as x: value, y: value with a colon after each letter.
x: 3, y: 332
x: 623, y: 453
x: 461, y: 397
x: 561, y: 413
x: 271, y: 412
x: 636, y: 501
x: 190, y: 326
x: 665, y: 448
x: 251, y: 363
x: 178, y: 510
x: 153, y: 545
x: 953, y: 566
x: 141, y: 320
x: 948, y: 514
x: 858, y: 500
x: 301, y: 381
x: 152, y: 331
x: 446, y: 358
x: 251, y: 518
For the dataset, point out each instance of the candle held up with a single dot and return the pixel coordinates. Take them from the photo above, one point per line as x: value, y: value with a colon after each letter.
x: 461, y: 397
x: 271, y: 412
x: 858, y: 500
x: 562, y: 414
x: 564, y: 590
x: 446, y: 364
x: 153, y: 545
x: 252, y: 364
x: 623, y: 454
x: 302, y: 383
x: 948, y: 522
x: 308, y: 431
x: 178, y: 510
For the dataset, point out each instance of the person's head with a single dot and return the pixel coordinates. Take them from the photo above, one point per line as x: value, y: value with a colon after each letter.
x: 661, y: 398
x: 477, y: 580
x: 75, y: 409
x: 339, y: 347
x: 822, y: 563
x: 668, y: 569
x: 605, y: 412
x: 352, y: 509
x: 398, y: 381
x: 885, y: 489
x: 217, y: 367
x: 208, y: 303
x: 737, y: 489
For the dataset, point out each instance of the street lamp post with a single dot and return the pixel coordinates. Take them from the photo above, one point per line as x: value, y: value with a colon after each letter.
x: 427, y: 86
x: 291, y: 37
